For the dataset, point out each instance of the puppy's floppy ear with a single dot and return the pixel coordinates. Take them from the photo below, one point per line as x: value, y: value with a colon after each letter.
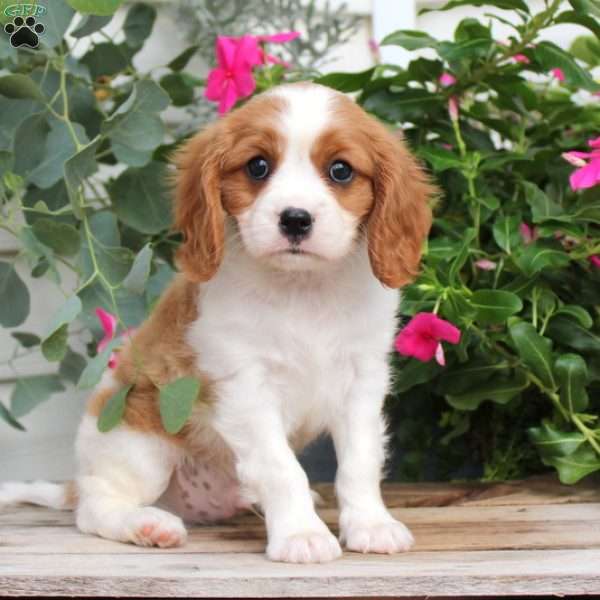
x: 199, y: 214
x: 400, y: 219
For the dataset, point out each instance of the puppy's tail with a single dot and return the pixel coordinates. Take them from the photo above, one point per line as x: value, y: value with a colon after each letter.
x: 60, y: 496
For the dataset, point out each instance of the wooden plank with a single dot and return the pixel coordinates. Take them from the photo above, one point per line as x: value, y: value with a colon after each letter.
x: 162, y: 574
x: 36, y: 531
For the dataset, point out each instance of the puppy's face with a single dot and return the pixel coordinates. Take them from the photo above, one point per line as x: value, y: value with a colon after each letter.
x: 302, y: 172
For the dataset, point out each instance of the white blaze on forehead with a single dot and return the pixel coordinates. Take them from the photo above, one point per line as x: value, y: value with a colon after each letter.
x: 306, y: 115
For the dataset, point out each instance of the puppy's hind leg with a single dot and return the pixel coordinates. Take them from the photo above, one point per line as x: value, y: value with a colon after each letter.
x: 121, y: 474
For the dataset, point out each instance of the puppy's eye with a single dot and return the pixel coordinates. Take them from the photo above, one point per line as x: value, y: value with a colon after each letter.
x: 258, y: 168
x: 340, y: 172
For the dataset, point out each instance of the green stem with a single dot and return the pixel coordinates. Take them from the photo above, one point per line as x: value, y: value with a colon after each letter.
x: 589, y: 436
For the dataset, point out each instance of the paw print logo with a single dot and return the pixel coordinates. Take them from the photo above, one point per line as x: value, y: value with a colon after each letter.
x: 24, y: 32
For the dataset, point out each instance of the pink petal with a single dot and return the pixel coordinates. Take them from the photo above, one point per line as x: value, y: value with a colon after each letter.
x: 215, y: 84
x: 112, y: 361
x: 279, y: 38
x: 586, y: 177
x: 485, y: 265
x: 447, y: 79
x: 521, y: 58
x: 595, y: 143
x: 558, y: 74
x: 576, y: 158
x: 439, y: 355
x: 528, y: 234
x: 595, y: 260
x: 248, y: 54
x: 228, y: 97
x: 419, y: 347
x: 109, y: 326
x: 443, y: 330
x: 226, y: 49
x: 273, y: 59
x: 244, y: 82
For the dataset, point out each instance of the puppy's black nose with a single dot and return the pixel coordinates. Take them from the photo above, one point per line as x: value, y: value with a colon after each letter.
x: 295, y: 223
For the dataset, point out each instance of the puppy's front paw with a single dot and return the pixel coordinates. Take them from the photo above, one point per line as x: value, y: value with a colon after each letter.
x: 381, y: 537
x: 151, y: 526
x: 305, y: 547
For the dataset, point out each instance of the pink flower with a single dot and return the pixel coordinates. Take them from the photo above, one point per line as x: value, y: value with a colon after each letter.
x: 374, y: 48
x: 485, y: 265
x: 595, y: 260
x: 447, y: 79
x: 521, y: 58
x: 558, y: 74
x: 453, y: 108
x: 422, y: 337
x: 232, y: 79
x: 588, y: 173
x: 109, y: 326
x: 528, y: 234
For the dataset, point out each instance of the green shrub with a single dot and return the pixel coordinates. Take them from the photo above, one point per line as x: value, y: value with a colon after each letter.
x: 508, y: 261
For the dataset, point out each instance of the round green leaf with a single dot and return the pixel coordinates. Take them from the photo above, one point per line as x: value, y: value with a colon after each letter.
x: 136, y: 279
x: 177, y: 402
x: 92, y: 374
x: 29, y: 392
x: 14, y: 297
x: 138, y: 24
x: 112, y: 413
x: 20, y: 86
x: 96, y: 7
x: 495, y: 306
x: 62, y: 238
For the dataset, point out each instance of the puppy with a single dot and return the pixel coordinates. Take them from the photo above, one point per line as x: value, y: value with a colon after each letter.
x: 301, y: 215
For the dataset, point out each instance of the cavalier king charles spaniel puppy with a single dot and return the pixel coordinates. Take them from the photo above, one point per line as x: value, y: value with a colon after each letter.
x: 301, y: 216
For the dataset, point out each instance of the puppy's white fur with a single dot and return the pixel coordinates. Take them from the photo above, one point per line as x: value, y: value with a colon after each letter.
x: 295, y: 345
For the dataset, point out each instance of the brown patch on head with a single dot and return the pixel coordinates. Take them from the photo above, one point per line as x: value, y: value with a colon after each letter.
x: 390, y: 190
x: 212, y: 181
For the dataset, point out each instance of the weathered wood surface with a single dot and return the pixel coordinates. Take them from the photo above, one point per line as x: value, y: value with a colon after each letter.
x: 528, y: 538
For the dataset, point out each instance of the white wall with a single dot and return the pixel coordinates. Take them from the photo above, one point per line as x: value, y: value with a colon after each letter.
x: 46, y: 449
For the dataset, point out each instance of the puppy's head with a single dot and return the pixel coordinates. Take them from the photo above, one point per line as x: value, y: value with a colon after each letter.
x: 303, y: 173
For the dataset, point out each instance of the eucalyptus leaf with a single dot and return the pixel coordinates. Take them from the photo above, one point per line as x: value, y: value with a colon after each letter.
x: 27, y: 340
x: 14, y: 297
x: 181, y: 60
x: 136, y: 279
x: 177, y: 401
x: 29, y: 392
x: 138, y: 24
x: 7, y: 417
x: 20, y: 86
x: 114, y: 409
x: 92, y: 373
x: 61, y: 237
x: 96, y: 7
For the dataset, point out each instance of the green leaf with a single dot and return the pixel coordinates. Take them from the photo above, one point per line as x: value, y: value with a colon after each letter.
x: 92, y: 373
x: 414, y: 372
x: 136, y: 279
x: 534, y: 350
x: 494, y: 306
x: 587, y: 49
x: 181, y: 60
x: 461, y: 258
x: 541, y: 255
x: 497, y: 389
x: 454, y: 51
x: 59, y: 147
x: 7, y: 417
x: 179, y: 91
x: 506, y: 232
x: 29, y: 392
x: 443, y: 248
x: 54, y: 344
x: 569, y: 333
x: 96, y: 7
x: 407, y: 105
x: 20, y: 86
x: 106, y: 59
x: 27, y: 340
x: 71, y: 367
x: 177, y: 401
x: 62, y: 238
x: 441, y: 159
x: 138, y: 24
x: 578, y: 313
x: 571, y: 372
x: 571, y: 16
x: 143, y: 187
x: 586, y: 7
x: 576, y: 466
x: 542, y: 207
x: 112, y: 413
x: 113, y: 261
x: 550, y: 56
x: 56, y: 21
x: 553, y: 442
x: 14, y: 297
x: 503, y: 4
x: 462, y: 378
x: 90, y: 24
x: 29, y: 144
x: 409, y: 39
x: 78, y: 168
